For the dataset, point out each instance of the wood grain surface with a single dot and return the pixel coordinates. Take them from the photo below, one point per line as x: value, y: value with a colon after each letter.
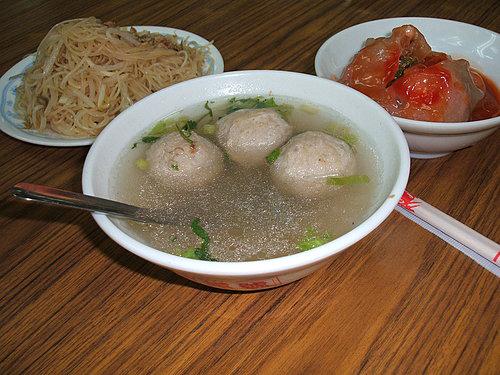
x: 399, y: 301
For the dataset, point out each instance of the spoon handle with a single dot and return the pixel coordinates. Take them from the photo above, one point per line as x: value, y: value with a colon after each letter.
x: 50, y: 195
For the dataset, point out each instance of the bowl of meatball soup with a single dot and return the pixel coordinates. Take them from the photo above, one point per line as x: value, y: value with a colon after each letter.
x: 267, y: 175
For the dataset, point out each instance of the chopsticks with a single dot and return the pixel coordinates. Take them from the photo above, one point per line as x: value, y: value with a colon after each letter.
x: 480, y: 248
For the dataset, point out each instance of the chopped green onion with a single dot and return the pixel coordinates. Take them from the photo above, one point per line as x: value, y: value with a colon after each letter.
x: 142, y: 164
x: 342, y: 133
x: 313, y: 238
x: 190, y: 253
x: 348, y: 138
x: 166, y: 126
x: 209, y: 128
x: 348, y: 180
x: 271, y: 158
x: 310, y: 109
x: 175, y: 167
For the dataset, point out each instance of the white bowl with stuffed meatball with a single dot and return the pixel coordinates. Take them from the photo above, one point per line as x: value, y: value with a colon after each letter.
x: 438, y: 78
x: 267, y: 175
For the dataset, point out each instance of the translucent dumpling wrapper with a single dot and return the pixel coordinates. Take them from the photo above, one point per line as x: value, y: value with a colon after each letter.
x: 404, y: 75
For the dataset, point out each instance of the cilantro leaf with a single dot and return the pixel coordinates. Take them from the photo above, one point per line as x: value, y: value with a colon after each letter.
x: 201, y: 251
x: 257, y: 102
x: 186, y: 130
x: 210, y: 112
x: 149, y: 139
x: 190, y: 125
x: 404, y: 63
x: 348, y: 180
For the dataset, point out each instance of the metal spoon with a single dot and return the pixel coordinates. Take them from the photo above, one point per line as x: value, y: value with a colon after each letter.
x: 58, y: 197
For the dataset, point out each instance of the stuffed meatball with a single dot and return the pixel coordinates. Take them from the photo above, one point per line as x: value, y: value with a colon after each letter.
x: 308, y: 159
x: 249, y: 135
x: 177, y: 163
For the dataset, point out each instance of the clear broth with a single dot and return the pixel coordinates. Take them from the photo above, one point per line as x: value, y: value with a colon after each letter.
x: 245, y: 215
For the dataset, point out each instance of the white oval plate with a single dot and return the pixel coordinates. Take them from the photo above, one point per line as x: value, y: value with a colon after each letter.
x: 11, y: 123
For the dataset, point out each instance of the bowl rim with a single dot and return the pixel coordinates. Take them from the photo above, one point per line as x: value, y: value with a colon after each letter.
x: 428, y: 127
x: 257, y: 267
x: 409, y: 124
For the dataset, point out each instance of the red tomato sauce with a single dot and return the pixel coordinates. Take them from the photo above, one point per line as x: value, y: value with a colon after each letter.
x: 489, y: 106
x: 423, y: 85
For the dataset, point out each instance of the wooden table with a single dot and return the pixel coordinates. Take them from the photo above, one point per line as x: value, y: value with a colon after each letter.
x: 399, y: 301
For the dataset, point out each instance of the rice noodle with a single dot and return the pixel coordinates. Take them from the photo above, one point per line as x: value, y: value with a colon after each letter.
x: 86, y: 72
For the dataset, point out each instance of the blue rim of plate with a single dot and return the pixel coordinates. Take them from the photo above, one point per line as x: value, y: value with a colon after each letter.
x: 11, y: 123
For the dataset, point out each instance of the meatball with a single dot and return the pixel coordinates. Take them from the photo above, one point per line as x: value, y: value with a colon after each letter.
x: 249, y: 135
x: 175, y: 162
x: 307, y: 159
